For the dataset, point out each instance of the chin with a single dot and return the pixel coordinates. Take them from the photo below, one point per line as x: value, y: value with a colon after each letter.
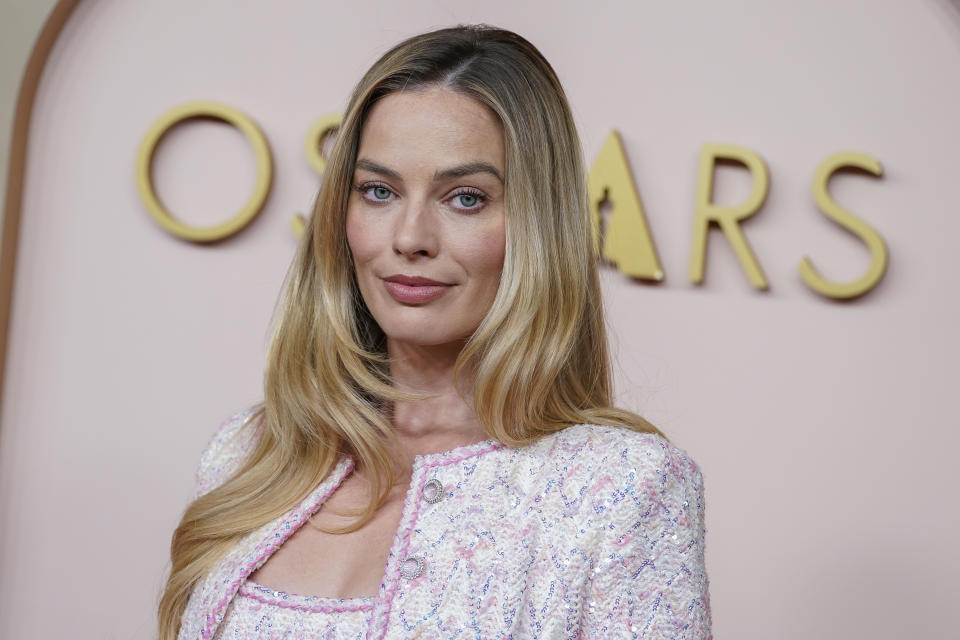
x: 435, y: 324
x: 422, y: 329
x: 423, y: 337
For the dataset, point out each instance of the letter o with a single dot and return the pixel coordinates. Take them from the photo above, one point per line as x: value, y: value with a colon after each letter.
x: 222, y: 112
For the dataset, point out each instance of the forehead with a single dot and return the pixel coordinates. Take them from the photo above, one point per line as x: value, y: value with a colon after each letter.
x: 435, y: 127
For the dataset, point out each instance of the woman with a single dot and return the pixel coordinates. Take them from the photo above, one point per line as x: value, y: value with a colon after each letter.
x: 436, y: 455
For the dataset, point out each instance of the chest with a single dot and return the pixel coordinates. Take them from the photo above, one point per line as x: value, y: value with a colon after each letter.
x: 318, y: 560
x: 481, y: 542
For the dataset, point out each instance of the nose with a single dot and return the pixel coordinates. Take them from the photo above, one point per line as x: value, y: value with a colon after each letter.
x: 415, y: 231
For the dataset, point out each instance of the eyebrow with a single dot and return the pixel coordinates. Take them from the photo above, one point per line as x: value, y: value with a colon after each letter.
x: 453, y: 172
x: 467, y: 170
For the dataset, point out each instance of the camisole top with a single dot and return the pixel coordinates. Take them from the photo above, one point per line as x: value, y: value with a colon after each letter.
x: 258, y: 612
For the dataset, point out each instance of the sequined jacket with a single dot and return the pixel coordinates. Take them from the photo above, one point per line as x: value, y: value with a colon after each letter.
x: 590, y: 532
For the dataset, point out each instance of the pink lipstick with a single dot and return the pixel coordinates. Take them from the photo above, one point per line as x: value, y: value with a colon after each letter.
x: 414, y: 289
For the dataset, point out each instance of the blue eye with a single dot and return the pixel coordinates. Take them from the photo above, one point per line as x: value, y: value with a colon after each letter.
x: 381, y: 193
x: 467, y: 199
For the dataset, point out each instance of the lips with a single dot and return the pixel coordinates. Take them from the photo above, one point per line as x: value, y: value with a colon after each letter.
x: 414, y: 289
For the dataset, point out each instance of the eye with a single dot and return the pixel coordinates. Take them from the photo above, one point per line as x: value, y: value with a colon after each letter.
x: 468, y: 200
x: 374, y: 192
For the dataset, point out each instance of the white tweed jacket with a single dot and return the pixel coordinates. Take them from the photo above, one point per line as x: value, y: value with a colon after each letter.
x: 590, y: 532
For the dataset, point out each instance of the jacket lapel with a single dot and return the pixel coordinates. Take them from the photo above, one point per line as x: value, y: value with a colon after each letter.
x: 212, y: 595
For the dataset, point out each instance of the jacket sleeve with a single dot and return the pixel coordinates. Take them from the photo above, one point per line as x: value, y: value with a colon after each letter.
x: 647, y: 575
x: 233, y: 440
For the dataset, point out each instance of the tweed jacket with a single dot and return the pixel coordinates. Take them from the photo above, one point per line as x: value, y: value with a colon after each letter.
x: 590, y: 532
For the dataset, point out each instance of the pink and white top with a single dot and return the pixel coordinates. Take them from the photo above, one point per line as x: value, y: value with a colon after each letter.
x: 259, y: 612
x: 590, y: 532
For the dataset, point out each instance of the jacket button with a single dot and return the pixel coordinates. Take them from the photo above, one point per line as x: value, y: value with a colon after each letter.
x: 433, y: 491
x: 411, y: 567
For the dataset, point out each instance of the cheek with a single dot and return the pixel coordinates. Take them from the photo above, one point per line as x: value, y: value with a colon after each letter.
x: 360, y: 239
x: 485, y: 254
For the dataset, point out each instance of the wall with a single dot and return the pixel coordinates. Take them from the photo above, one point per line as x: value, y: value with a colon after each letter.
x: 825, y: 430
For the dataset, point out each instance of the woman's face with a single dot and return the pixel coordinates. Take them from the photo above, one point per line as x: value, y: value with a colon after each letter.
x: 425, y: 220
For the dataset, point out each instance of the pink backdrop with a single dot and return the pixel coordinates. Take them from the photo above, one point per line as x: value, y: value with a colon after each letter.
x: 826, y: 431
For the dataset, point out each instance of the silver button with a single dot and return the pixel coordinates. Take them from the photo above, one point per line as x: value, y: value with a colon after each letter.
x: 433, y: 491
x: 411, y: 567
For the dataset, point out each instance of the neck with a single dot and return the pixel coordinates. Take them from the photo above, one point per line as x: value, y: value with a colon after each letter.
x: 443, y: 420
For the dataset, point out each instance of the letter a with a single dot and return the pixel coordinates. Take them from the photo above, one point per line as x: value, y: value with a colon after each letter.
x: 626, y: 238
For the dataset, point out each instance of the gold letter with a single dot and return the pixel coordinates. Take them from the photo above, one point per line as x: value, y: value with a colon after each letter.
x: 878, y: 250
x: 727, y: 217
x: 626, y: 238
x: 145, y: 175
x: 322, y: 126
x: 313, y: 147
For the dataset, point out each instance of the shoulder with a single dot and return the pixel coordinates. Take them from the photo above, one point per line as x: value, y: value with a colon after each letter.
x: 609, y: 450
x: 230, y: 444
x: 617, y: 471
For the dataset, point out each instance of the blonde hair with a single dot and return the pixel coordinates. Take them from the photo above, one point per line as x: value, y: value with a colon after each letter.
x: 539, y: 358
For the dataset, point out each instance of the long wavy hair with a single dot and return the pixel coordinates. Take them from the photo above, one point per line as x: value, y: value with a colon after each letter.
x: 539, y: 359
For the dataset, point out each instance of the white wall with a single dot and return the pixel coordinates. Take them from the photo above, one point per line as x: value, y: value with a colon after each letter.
x: 826, y: 431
